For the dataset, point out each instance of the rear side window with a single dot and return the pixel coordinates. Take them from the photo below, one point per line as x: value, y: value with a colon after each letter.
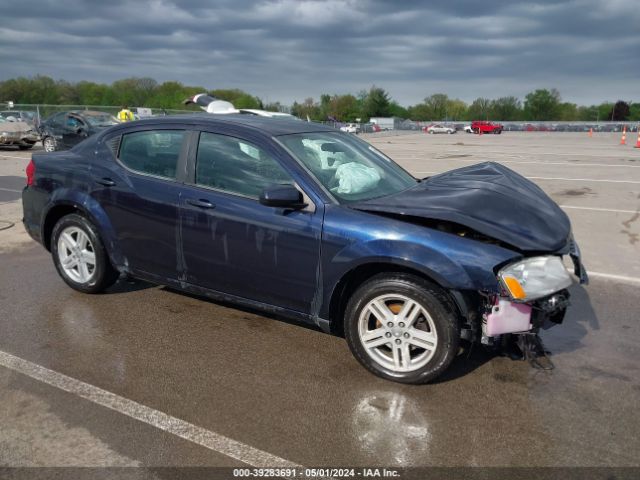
x: 153, y: 152
x: 236, y: 166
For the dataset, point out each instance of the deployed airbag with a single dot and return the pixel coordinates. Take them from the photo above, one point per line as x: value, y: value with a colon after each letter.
x: 353, y: 177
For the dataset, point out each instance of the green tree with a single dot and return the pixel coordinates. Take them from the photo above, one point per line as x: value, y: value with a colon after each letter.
x: 506, y: 108
x: 436, y: 105
x: 397, y: 110
x: 307, y: 109
x: 568, y: 112
x: 542, y: 104
x: 376, y: 104
x: 479, y: 109
x: 620, y: 111
x: 456, y: 109
x: 239, y: 98
x: 344, y: 108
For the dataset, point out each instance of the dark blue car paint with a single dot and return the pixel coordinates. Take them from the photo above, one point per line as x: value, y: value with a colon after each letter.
x: 276, y: 260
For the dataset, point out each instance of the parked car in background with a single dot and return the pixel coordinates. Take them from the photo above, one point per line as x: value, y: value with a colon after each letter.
x: 63, y: 130
x: 26, y: 116
x: 486, y: 127
x: 16, y: 133
x: 350, y: 128
x: 437, y: 128
x: 244, y: 209
x: 468, y: 129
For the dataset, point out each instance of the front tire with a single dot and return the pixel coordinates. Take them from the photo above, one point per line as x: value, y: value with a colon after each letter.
x: 49, y: 144
x: 402, y: 328
x: 80, y: 256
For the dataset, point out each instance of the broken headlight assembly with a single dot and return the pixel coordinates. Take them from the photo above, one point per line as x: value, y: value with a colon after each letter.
x: 534, y: 278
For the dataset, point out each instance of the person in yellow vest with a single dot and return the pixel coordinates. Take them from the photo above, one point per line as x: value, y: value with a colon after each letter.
x: 125, y: 115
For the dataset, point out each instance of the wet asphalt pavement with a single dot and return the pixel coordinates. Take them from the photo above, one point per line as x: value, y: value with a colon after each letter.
x: 297, y: 393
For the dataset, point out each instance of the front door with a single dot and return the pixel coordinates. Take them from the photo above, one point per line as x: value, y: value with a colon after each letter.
x: 74, y: 130
x: 234, y: 244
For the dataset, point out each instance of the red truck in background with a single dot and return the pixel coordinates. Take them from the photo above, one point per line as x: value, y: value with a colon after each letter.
x: 486, y: 127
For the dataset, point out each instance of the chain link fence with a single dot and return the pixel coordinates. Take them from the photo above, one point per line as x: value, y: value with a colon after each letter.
x: 39, y: 112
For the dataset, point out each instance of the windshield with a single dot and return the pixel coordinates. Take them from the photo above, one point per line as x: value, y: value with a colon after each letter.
x: 105, y: 120
x: 351, y: 169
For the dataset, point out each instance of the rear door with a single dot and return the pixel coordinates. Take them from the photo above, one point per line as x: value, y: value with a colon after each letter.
x: 234, y: 244
x: 138, y: 188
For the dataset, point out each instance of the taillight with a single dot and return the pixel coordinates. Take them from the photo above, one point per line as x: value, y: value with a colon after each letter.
x: 31, y: 172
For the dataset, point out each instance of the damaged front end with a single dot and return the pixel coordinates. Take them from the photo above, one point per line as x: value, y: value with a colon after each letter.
x: 533, y: 296
x: 491, y: 204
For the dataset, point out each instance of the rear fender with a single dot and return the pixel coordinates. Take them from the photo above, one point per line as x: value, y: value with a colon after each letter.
x: 92, y: 210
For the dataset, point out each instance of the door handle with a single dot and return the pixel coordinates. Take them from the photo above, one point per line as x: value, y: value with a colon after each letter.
x: 107, y: 182
x: 200, y: 203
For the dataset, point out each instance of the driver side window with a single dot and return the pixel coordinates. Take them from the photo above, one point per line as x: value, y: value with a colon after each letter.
x: 73, y: 123
x: 236, y: 166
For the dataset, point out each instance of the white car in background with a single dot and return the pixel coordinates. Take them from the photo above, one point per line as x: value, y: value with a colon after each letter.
x: 350, y: 128
x: 439, y: 129
x: 468, y: 129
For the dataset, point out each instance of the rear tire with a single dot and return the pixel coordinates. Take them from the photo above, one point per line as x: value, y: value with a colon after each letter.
x: 402, y: 328
x: 79, y: 255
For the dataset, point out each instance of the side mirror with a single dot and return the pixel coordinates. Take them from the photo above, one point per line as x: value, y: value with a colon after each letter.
x: 283, y: 196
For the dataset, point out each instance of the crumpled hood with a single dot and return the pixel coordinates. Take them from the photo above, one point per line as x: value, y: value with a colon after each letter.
x: 488, y: 198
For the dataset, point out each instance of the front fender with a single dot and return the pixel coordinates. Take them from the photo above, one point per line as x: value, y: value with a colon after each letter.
x: 94, y: 212
x: 353, y: 239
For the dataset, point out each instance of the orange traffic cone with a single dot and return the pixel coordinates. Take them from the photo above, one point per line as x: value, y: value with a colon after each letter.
x: 623, y: 140
x: 591, y: 132
x: 638, y: 142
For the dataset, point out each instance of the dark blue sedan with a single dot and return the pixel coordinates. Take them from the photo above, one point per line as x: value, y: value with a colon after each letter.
x: 312, y: 224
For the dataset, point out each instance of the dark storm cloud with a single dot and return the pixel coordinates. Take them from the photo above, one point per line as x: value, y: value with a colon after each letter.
x: 290, y: 49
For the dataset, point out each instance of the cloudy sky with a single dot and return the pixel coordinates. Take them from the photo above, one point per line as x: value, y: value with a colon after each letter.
x: 288, y: 49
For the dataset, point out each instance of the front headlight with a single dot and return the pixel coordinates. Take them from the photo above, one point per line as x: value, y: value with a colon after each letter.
x: 534, y: 277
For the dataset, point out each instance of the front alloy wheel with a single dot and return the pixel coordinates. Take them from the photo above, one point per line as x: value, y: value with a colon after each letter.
x: 49, y: 144
x: 402, y: 328
x: 397, y: 332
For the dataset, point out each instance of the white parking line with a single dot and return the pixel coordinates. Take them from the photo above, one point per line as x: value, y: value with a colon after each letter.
x: 595, y: 209
x: 14, y: 156
x: 180, y: 428
x: 619, y: 278
x: 564, y: 179
x: 10, y: 190
x: 574, y: 164
x: 585, y: 180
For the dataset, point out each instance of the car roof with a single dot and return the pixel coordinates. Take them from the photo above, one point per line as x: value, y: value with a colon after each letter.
x: 89, y: 113
x: 268, y: 125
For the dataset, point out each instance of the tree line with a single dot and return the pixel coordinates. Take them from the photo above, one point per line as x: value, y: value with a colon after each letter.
x: 539, y: 105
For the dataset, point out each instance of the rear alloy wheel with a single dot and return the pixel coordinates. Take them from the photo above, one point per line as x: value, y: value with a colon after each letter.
x: 79, y: 255
x: 49, y: 144
x: 402, y: 328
